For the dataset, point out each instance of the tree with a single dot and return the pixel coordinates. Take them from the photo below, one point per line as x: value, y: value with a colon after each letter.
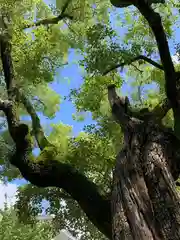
x: 144, y: 203
x: 12, y: 229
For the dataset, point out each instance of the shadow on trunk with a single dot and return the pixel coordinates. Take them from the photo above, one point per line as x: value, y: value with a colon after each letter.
x: 145, y: 204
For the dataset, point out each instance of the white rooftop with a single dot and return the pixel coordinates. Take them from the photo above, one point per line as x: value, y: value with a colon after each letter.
x: 64, y: 235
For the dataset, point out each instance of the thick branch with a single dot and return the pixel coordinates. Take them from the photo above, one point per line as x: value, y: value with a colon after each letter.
x: 141, y: 57
x: 7, y: 107
x: 160, y: 111
x: 49, y: 171
x: 120, y: 109
x: 155, y: 23
x: 54, y: 173
x: 157, y: 114
x: 5, y: 48
x: 126, y: 115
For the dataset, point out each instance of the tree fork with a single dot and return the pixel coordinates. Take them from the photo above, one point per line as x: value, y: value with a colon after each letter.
x: 144, y: 199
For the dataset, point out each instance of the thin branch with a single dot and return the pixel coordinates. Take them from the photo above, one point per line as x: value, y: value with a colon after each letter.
x: 37, y: 128
x: 65, y: 6
x: 53, y: 20
x: 48, y: 21
x: 139, y: 94
x: 137, y: 68
x: 155, y: 64
x: 140, y: 57
x: 5, y: 48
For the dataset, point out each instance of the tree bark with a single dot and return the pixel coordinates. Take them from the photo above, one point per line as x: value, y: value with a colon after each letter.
x: 145, y: 204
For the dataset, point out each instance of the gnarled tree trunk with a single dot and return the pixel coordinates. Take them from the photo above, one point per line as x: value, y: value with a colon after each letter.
x: 145, y: 204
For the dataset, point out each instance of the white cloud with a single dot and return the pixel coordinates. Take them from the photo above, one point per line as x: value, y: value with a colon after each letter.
x: 175, y: 58
x: 10, y: 191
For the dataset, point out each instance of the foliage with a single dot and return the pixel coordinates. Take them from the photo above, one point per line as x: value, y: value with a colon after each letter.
x: 39, y: 52
x: 67, y: 213
x: 12, y: 229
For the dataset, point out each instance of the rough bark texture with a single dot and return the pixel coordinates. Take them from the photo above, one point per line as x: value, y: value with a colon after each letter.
x: 145, y: 204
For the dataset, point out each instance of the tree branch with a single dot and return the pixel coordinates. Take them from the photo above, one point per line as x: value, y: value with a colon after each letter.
x: 76, y: 184
x: 5, y: 51
x: 126, y: 115
x: 160, y: 111
x: 155, y: 24
x: 5, y: 105
x: 37, y: 128
x: 47, y: 21
x: 53, y: 20
x: 48, y: 171
x: 140, y: 57
x: 121, y: 109
x: 157, y: 114
x: 51, y: 172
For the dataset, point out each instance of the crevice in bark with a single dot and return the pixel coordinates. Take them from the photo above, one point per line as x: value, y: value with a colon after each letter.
x: 144, y: 193
x: 145, y: 204
x: 144, y: 188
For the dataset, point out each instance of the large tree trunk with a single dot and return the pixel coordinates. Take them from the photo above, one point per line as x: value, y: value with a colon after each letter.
x: 145, y: 204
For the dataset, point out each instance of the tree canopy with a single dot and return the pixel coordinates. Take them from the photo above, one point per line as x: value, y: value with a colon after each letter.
x: 74, y: 173
x: 11, y: 228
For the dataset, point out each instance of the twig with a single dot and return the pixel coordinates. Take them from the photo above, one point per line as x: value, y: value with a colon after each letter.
x: 136, y: 68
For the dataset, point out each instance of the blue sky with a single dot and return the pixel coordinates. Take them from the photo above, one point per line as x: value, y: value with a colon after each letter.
x: 72, y: 72
x: 63, y: 87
